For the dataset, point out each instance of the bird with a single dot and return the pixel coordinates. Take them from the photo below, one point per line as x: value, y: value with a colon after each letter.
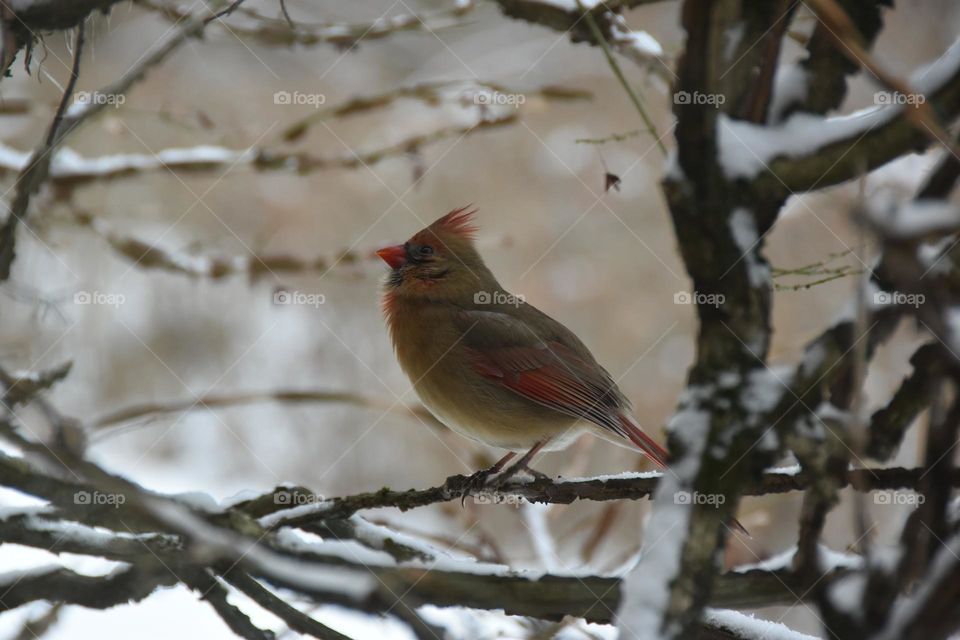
x: 488, y: 364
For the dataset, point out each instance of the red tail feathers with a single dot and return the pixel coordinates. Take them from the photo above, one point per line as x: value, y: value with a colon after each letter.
x: 644, y: 442
x: 657, y: 453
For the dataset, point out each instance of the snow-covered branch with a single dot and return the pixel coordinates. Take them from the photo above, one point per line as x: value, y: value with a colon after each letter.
x: 566, y: 16
x: 70, y: 169
x: 809, y: 151
x: 738, y: 414
x: 194, y: 535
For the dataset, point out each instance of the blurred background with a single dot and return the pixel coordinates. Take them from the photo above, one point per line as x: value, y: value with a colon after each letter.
x: 603, y: 262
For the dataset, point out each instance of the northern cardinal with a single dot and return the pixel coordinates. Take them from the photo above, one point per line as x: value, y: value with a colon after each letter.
x: 489, y: 365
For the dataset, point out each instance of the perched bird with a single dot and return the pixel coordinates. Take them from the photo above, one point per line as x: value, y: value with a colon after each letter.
x: 489, y: 365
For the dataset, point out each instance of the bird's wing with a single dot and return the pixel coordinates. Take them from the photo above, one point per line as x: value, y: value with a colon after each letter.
x: 536, y: 357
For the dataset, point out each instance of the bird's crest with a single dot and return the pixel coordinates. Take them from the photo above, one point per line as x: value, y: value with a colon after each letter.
x: 458, y: 222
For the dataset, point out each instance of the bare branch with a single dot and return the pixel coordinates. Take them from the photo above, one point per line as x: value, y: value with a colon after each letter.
x: 293, y: 617
x: 838, y: 149
x: 271, y: 32
x: 37, y: 169
x: 629, y: 487
x: 211, y: 401
x: 96, y: 592
x: 208, y: 586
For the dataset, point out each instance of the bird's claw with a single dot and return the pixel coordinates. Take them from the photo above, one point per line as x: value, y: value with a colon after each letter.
x: 502, y: 479
x: 538, y: 475
x: 494, y: 480
x: 476, y: 483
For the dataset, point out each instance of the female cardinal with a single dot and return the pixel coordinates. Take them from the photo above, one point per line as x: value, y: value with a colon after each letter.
x: 487, y: 364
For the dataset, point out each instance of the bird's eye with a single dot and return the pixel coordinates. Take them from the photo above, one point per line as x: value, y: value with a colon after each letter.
x: 426, y: 250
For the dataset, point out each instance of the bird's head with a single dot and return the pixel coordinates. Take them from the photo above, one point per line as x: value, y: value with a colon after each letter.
x: 437, y: 262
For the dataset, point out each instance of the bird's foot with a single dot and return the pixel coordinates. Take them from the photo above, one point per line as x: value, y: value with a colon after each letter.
x: 477, y: 482
x: 501, y: 480
x: 489, y: 481
x: 536, y: 475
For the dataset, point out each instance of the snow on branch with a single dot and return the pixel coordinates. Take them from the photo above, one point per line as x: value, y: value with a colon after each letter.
x: 69, y: 169
x: 567, y: 16
x: 738, y: 414
x: 150, y: 256
x: 24, y: 21
x: 195, y: 536
x: 326, y: 552
x: 807, y: 151
x: 915, y: 219
x: 629, y: 486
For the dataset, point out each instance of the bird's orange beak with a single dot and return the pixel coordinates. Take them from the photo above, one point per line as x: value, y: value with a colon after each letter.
x: 394, y: 256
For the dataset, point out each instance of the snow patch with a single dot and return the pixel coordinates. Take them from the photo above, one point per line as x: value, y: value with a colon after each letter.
x: 646, y: 589
x: 624, y: 475
x: 309, y: 509
x: 728, y: 379
x: 776, y: 562
x: 747, y: 149
x: 67, y: 162
x: 846, y: 594
x: 789, y: 87
x: 829, y: 412
x: 792, y: 470
x: 350, y: 550
x: 643, y: 42
x: 743, y: 226
x: 912, y: 218
x: 743, y: 625
x: 672, y: 171
x: 932, y: 255
x: 765, y: 388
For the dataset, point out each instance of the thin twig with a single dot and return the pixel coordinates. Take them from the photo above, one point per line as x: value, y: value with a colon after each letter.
x: 293, y: 617
x: 38, y: 167
x: 286, y: 15
x: 210, y: 401
x: 37, y: 170
x: 634, y: 98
